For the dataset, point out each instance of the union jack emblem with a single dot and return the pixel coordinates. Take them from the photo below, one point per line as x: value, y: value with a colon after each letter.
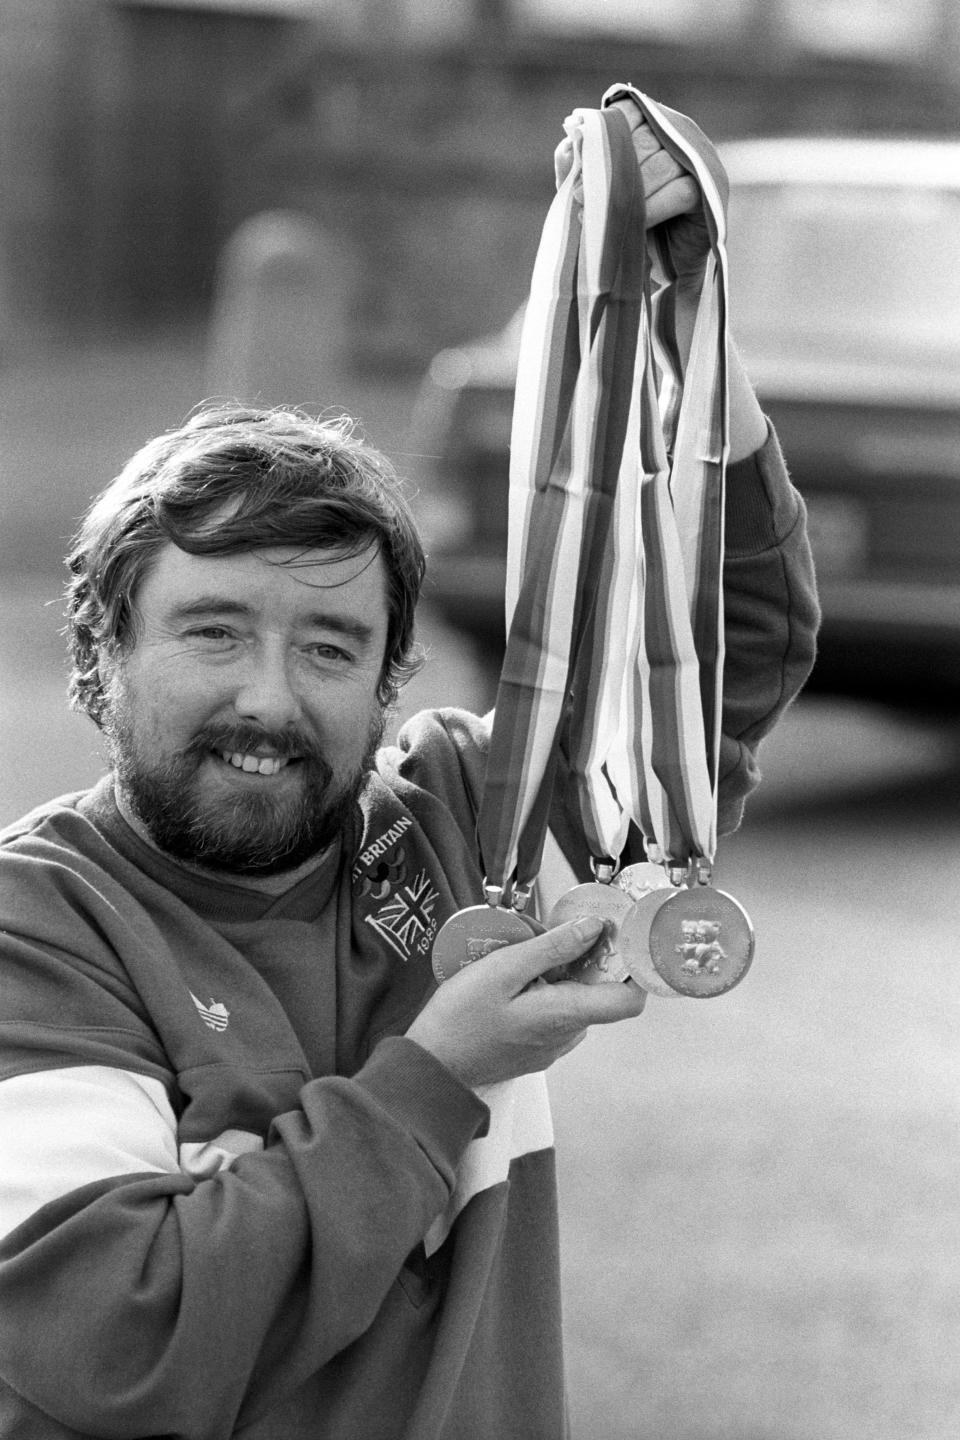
x: 407, y: 915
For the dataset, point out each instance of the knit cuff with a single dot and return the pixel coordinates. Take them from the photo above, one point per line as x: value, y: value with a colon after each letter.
x: 423, y: 1095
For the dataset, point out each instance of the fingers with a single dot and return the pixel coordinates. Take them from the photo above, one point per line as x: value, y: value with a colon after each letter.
x: 680, y: 196
x: 556, y: 949
x: 602, y: 1004
x: 669, y: 190
x: 632, y: 112
x: 499, y: 1018
x: 523, y: 963
x: 644, y: 141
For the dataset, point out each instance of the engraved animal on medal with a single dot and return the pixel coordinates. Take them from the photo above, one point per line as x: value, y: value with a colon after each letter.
x: 700, y: 947
x: 473, y: 933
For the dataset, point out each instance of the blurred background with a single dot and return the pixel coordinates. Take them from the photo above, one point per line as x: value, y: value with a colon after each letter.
x: 338, y: 205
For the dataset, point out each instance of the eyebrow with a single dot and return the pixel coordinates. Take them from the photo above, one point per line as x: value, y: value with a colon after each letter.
x: 209, y: 605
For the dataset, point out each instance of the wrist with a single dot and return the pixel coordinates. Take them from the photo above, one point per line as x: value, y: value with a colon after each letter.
x: 748, y: 424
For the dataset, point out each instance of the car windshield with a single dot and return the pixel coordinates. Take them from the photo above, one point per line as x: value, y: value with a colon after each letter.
x: 852, y: 273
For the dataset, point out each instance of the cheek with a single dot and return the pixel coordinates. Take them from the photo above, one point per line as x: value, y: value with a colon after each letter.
x: 165, y: 703
x: 346, y: 732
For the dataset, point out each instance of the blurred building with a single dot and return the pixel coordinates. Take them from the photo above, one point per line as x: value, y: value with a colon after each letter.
x: 137, y: 135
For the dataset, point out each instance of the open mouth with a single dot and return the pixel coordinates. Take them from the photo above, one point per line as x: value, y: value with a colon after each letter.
x: 256, y: 764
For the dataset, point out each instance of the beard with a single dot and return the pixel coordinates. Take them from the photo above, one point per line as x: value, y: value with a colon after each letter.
x: 252, y: 832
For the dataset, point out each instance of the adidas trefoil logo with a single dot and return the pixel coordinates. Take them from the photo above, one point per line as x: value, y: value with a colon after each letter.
x: 215, y: 1015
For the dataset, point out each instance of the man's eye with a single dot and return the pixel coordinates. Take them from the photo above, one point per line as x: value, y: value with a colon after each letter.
x: 209, y: 632
x: 323, y: 650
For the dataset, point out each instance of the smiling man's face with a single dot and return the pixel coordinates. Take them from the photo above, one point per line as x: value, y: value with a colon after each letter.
x: 244, y: 718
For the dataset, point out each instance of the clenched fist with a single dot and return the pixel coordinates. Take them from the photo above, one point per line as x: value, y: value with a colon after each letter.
x: 671, y: 193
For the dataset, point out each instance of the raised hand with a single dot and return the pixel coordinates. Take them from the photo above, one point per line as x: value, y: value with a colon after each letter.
x: 672, y: 195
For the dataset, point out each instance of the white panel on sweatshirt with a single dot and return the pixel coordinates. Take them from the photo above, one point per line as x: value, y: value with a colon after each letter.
x: 60, y: 1129
x: 520, y: 1119
x: 520, y: 1123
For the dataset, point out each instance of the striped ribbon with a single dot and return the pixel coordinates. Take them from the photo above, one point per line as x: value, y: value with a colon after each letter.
x: 673, y: 692
x: 612, y: 556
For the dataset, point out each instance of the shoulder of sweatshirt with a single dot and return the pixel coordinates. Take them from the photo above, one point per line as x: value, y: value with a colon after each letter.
x: 442, y: 752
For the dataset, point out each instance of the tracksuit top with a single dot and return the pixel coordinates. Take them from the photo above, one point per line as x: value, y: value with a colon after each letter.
x: 235, y: 1199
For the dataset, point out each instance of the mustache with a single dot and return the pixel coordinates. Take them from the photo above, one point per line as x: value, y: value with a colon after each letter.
x: 247, y: 738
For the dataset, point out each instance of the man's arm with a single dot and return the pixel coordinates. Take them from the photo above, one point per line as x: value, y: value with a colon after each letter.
x: 136, y: 1297
x: 748, y: 424
x: 155, y: 1301
x: 771, y: 616
x: 189, y: 1301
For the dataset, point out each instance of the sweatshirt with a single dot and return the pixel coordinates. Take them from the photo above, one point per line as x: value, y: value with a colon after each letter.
x: 235, y: 1199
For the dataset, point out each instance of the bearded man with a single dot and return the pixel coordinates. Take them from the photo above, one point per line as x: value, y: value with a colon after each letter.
x: 260, y: 1175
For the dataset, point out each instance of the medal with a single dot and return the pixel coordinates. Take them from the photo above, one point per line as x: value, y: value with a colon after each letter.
x: 648, y: 886
x: 701, y: 942
x: 635, y: 941
x: 604, y: 961
x: 638, y: 880
x: 478, y: 930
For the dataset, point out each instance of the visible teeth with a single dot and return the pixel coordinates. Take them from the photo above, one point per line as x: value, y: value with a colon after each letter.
x: 255, y: 764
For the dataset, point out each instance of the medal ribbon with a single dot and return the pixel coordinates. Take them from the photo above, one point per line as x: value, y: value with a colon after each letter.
x: 571, y: 401
x: 615, y: 539
x: 655, y: 735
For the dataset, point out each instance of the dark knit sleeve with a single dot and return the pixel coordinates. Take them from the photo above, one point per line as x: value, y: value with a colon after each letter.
x: 771, y: 616
x: 142, y: 1295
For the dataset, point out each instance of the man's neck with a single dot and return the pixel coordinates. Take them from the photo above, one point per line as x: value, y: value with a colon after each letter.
x: 267, y: 884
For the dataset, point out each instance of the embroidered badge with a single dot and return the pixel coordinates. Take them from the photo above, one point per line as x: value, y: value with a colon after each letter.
x: 383, y: 863
x: 406, y: 922
x: 215, y: 1015
x: 383, y: 875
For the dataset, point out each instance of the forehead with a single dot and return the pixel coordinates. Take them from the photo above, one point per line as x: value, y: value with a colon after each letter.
x: 281, y: 584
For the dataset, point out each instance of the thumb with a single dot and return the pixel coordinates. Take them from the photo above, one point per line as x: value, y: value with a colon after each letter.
x: 555, y: 948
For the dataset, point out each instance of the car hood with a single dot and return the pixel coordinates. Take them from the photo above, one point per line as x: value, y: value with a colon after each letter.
x: 858, y: 380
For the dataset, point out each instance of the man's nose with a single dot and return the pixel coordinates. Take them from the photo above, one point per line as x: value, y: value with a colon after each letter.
x: 267, y: 693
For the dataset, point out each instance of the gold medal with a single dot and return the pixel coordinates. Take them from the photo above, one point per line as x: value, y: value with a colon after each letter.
x: 472, y: 933
x: 603, y: 961
x: 701, y: 942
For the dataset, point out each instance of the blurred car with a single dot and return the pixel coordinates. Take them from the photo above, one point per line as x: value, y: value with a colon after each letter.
x: 845, y: 302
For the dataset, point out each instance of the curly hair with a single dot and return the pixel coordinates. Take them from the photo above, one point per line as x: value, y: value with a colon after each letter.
x: 234, y: 479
